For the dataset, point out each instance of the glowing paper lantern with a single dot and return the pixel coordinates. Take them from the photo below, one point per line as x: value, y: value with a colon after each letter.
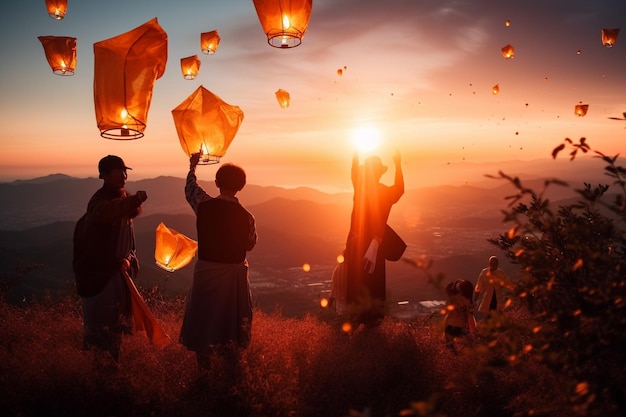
x: 173, y: 250
x: 495, y: 89
x: 283, y: 98
x: 190, y: 67
x: 507, y: 23
x: 205, y: 123
x: 209, y: 42
x: 581, y: 109
x: 609, y: 36
x: 56, y: 8
x: 126, y: 68
x: 284, y: 21
x: 508, y: 52
x: 340, y: 72
x: 60, y: 53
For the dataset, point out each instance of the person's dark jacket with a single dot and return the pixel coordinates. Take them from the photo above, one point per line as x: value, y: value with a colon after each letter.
x: 96, y: 238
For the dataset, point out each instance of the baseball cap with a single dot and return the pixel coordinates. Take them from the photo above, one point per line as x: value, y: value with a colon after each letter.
x: 109, y: 163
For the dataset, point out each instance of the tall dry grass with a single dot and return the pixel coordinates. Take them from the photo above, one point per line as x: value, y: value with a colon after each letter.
x: 293, y: 367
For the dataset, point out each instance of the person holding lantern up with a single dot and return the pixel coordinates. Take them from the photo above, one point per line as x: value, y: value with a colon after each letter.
x: 364, y: 257
x: 218, y: 312
x: 104, y: 252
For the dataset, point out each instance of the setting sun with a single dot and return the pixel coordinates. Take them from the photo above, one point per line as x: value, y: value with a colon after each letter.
x: 366, y: 138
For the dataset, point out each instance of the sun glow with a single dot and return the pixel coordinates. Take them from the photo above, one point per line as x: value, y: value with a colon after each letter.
x: 366, y: 138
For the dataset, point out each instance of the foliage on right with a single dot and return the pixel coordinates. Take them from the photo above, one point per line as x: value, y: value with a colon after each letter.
x: 573, y: 281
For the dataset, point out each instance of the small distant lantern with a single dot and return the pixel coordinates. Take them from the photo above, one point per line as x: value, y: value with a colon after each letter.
x: 126, y: 68
x: 190, y: 66
x: 206, y: 124
x: 60, y: 53
x: 609, y: 36
x: 508, y: 52
x: 581, y: 109
x: 209, y: 42
x: 173, y: 250
x: 284, y: 22
x: 495, y: 89
x: 507, y: 23
x: 340, y: 72
x: 56, y: 8
x: 283, y: 98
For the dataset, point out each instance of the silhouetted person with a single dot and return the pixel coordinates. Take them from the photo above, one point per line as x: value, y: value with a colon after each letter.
x: 218, y: 314
x: 104, y: 244
x: 459, y: 319
x: 489, y: 285
x: 365, y: 263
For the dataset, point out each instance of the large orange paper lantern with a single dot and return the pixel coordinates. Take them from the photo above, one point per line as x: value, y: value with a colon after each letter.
x: 609, y: 36
x: 284, y: 21
x: 126, y: 68
x: 56, y: 8
x: 173, y: 250
x: 207, y: 124
x: 190, y: 67
x: 581, y: 109
x: 60, y: 53
x: 283, y: 98
x: 508, y: 52
x: 495, y: 89
x: 209, y: 42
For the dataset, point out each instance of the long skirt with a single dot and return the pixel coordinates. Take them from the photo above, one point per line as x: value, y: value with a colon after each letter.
x: 218, y: 308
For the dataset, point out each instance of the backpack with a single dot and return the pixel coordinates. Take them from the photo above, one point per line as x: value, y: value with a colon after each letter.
x: 91, y: 271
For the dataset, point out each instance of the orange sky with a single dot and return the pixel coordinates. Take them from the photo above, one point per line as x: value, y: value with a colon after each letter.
x: 420, y: 72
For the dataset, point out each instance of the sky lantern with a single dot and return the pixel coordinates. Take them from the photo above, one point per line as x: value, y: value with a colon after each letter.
x: 609, y: 36
x: 581, y: 109
x: 507, y: 23
x: 190, y: 66
x: 126, y: 67
x: 508, y: 52
x: 283, y: 98
x: 56, y: 8
x: 60, y: 53
x: 340, y: 72
x: 284, y: 21
x: 495, y: 89
x: 207, y: 124
x: 209, y: 42
x: 173, y: 250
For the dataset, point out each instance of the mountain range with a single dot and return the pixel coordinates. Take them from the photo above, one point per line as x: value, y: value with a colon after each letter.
x: 449, y: 224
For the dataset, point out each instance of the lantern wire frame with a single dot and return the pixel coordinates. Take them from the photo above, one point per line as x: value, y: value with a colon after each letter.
x: 129, y: 131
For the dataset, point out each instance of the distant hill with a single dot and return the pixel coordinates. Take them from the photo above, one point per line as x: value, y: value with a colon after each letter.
x: 449, y: 224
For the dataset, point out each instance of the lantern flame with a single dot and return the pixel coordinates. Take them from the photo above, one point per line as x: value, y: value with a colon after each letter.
x: 286, y: 24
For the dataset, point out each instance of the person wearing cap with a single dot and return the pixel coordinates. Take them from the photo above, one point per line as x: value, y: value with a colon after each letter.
x: 218, y: 312
x: 365, y: 264
x: 490, y: 284
x: 104, y: 243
